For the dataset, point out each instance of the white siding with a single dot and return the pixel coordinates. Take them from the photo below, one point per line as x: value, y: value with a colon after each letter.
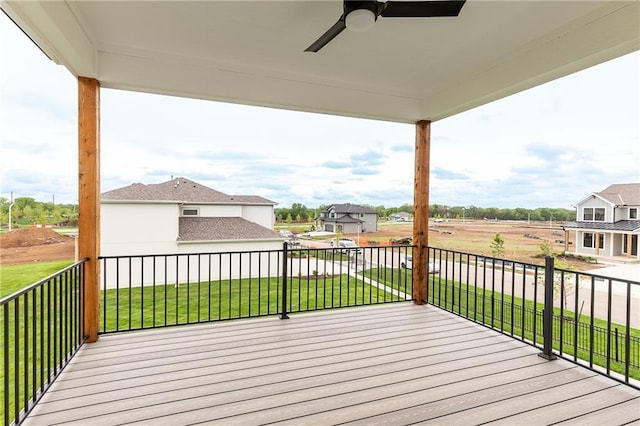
x: 623, y: 213
x: 370, y: 224
x: 262, y: 215
x: 213, y: 262
x: 128, y: 229
x: 216, y: 210
x: 595, y: 203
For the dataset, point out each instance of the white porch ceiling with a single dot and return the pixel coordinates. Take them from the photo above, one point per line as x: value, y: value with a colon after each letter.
x: 252, y: 52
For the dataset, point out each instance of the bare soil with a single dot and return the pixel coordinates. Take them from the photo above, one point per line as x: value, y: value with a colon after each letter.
x: 521, y: 241
x: 29, y: 245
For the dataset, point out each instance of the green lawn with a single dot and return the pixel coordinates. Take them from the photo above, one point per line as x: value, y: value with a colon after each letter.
x: 162, y: 305
x: 14, y: 278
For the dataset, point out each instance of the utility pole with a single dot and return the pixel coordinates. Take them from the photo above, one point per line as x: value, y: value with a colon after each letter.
x: 10, y: 208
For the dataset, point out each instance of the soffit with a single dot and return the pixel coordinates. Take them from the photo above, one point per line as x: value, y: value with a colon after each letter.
x: 401, y: 70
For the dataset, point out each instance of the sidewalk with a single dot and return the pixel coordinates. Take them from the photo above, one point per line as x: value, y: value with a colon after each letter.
x: 624, y: 272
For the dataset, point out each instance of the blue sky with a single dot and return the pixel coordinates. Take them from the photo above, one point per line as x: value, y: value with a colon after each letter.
x: 547, y: 147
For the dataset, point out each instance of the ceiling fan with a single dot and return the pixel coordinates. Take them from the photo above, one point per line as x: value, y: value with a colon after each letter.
x: 359, y: 16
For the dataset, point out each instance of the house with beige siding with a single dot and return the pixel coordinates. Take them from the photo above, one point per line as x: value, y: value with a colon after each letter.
x: 608, y: 223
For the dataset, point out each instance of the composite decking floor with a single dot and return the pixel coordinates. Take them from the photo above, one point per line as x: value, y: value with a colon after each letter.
x: 389, y: 364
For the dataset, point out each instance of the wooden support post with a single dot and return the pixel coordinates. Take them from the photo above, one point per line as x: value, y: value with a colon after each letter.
x: 596, y: 244
x: 421, y: 212
x: 629, y: 244
x: 89, y: 199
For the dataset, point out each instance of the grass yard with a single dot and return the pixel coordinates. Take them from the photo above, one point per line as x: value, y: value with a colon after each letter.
x: 17, y: 277
x: 161, y: 305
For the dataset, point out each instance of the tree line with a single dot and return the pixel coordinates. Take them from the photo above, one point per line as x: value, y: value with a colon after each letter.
x: 28, y: 211
x: 300, y: 213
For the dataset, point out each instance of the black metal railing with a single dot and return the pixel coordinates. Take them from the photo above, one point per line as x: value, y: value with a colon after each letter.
x: 148, y: 291
x: 585, y: 318
x: 42, y: 329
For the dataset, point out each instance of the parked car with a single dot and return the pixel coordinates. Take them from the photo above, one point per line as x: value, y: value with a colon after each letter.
x: 407, y: 262
x: 286, y: 234
x: 347, y: 245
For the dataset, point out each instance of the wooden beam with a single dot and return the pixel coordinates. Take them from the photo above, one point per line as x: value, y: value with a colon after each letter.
x: 89, y: 199
x: 421, y: 212
x: 629, y: 244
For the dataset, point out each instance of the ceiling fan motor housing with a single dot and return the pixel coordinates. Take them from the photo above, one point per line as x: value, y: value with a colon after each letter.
x: 360, y: 15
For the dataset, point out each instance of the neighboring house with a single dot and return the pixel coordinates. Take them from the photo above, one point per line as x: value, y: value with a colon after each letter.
x: 401, y: 217
x: 348, y: 219
x: 182, y: 216
x: 608, y: 222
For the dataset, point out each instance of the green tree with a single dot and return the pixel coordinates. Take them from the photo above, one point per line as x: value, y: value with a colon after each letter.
x: 558, y: 276
x: 546, y: 248
x: 497, y: 246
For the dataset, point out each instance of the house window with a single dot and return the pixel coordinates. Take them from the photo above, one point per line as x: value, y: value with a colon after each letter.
x: 633, y: 213
x: 598, y: 214
x: 190, y: 212
x: 587, y: 240
x: 593, y: 214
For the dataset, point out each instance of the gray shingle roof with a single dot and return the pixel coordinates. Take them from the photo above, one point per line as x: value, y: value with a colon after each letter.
x: 621, y: 225
x: 222, y: 228
x: 622, y: 194
x: 350, y: 208
x: 342, y: 219
x: 180, y: 190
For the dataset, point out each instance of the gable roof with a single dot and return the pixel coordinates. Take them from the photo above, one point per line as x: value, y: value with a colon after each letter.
x: 180, y: 190
x: 222, y: 228
x: 621, y: 194
x: 350, y: 208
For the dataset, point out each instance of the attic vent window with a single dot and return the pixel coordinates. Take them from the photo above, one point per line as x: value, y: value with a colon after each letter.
x: 190, y: 212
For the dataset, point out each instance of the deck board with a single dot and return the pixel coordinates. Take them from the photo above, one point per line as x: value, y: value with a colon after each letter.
x: 393, y: 364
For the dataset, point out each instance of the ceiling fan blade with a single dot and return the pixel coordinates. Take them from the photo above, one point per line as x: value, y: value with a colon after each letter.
x: 325, y: 38
x: 421, y: 9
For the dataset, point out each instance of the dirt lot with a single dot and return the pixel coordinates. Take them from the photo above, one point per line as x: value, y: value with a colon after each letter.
x: 521, y: 241
x: 30, y: 245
